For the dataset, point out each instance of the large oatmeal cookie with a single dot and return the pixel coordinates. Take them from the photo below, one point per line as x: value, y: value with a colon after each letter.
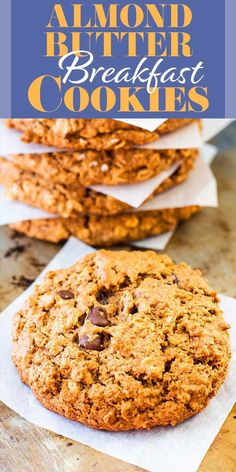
x: 123, y: 340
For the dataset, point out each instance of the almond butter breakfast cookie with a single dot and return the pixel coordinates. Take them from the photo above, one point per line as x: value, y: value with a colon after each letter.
x: 90, y: 167
x: 71, y: 200
x: 106, y: 231
x: 96, y: 133
x: 123, y: 340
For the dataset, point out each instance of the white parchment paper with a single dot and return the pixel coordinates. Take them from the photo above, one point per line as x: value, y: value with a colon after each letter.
x: 135, y: 194
x: 146, y: 123
x: 199, y: 189
x: 10, y: 143
x: 187, y: 137
x: 13, y: 212
x: 160, y: 450
x: 208, y: 194
x: 156, y: 242
x: 190, y: 136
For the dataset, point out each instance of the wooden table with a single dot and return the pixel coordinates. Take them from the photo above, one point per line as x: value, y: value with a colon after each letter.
x: 208, y: 241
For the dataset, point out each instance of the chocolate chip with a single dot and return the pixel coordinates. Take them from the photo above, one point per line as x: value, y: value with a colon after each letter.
x: 98, y: 317
x: 133, y: 310
x: 66, y: 294
x: 168, y: 366
x: 176, y: 280
x: 103, y: 297
x: 95, y: 344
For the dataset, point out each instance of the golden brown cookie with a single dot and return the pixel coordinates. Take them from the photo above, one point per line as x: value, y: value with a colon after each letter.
x: 102, y: 167
x: 123, y: 340
x: 68, y: 200
x: 95, y: 133
x: 106, y: 231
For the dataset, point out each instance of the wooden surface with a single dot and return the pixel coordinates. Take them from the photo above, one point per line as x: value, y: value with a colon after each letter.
x: 208, y: 241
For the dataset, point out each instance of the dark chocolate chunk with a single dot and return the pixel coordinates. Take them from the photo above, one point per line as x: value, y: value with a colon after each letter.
x: 98, y: 316
x: 95, y: 344
x: 176, y: 280
x: 133, y: 310
x: 103, y: 297
x: 66, y: 294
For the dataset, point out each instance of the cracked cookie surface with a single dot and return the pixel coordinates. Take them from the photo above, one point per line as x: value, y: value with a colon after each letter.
x: 123, y: 340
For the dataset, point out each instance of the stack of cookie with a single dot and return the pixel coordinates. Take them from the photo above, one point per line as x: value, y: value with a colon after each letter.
x: 98, y: 151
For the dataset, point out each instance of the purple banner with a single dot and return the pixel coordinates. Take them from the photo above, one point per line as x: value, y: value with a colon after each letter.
x: 117, y: 59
